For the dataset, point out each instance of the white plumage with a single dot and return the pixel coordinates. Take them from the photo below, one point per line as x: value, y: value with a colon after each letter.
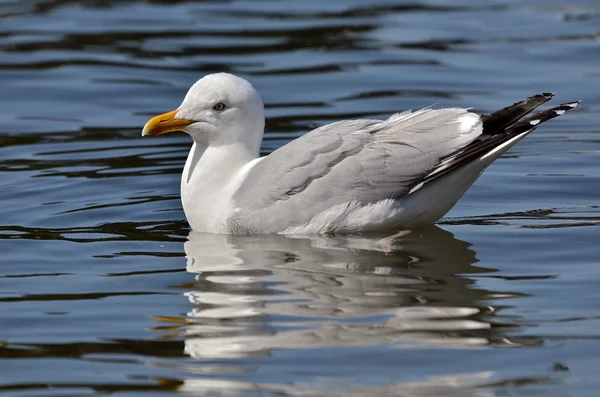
x: 345, y: 177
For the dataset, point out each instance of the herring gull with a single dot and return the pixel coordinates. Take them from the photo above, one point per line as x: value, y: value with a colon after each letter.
x: 345, y: 177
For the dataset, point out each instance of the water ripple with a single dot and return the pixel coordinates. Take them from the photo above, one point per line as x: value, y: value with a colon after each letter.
x: 103, y: 289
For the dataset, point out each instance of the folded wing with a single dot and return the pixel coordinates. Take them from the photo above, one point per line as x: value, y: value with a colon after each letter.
x: 362, y: 161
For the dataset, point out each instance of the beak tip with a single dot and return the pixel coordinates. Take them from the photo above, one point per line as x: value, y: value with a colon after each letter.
x: 164, y: 123
x: 148, y: 129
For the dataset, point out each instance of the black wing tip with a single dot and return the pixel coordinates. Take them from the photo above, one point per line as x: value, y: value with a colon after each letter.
x: 565, y: 107
x: 534, y: 120
x: 498, y: 122
x: 572, y: 104
x: 538, y: 99
x: 532, y: 101
x: 547, y: 95
x: 477, y: 148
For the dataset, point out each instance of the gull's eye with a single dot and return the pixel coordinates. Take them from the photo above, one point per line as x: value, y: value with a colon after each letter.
x: 219, y: 106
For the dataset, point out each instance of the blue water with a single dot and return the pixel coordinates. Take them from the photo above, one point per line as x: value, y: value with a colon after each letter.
x: 104, y: 291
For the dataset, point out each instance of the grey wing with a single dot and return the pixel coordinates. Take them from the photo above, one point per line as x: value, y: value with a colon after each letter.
x: 349, y: 161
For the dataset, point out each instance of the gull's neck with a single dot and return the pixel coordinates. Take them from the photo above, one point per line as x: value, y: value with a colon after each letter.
x: 211, y: 176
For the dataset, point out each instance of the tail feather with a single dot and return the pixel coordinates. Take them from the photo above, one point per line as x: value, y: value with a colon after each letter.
x: 514, y: 123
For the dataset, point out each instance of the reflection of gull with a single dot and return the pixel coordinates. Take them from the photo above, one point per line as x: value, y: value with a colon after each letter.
x: 349, y: 176
x: 259, y: 293
x: 460, y: 385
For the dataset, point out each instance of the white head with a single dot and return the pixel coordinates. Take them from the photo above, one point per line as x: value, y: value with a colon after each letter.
x: 220, y: 109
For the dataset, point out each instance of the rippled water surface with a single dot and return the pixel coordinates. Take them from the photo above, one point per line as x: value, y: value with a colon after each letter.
x: 103, y: 290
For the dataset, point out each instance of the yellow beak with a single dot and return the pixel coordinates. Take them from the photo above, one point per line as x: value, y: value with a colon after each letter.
x: 164, y: 123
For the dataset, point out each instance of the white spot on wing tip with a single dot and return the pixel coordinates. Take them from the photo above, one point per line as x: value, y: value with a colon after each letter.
x: 573, y: 104
x: 559, y: 112
x: 534, y: 122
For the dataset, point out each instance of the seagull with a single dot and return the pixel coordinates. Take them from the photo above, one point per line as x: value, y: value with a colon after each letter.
x: 350, y: 176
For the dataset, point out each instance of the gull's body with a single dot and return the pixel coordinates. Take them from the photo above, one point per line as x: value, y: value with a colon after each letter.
x: 349, y: 176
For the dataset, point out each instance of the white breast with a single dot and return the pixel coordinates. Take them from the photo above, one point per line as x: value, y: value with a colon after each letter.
x: 206, y: 194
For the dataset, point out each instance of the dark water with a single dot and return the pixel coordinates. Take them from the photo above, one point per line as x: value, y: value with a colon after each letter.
x: 102, y: 291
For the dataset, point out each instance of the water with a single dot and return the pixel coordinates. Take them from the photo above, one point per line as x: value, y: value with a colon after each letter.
x: 102, y: 290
